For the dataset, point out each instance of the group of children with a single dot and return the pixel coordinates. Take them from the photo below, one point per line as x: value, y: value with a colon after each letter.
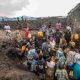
x: 53, y: 57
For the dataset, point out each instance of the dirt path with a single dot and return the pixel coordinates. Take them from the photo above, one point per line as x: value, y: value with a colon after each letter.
x: 8, y: 68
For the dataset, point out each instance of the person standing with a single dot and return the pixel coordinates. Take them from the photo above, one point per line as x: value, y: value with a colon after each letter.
x: 58, y: 26
x: 50, y: 69
x: 61, y: 73
x: 58, y: 36
x: 8, y: 32
x: 68, y: 35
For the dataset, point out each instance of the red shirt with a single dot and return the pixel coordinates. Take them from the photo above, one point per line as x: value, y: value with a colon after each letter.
x: 26, y: 32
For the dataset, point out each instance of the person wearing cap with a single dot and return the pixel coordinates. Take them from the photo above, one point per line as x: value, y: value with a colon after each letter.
x: 46, y: 47
x: 68, y: 35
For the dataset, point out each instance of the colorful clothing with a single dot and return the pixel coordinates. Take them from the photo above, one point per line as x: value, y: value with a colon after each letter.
x: 26, y: 32
x: 61, y: 74
x: 18, y: 36
x: 76, y: 71
x: 59, y: 54
x: 52, y: 44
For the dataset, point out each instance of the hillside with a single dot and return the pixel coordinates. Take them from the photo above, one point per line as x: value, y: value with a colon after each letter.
x: 36, y: 23
x: 10, y: 69
x: 73, y: 18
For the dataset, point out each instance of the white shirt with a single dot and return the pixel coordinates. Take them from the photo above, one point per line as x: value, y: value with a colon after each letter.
x: 7, y: 27
x: 51, y: 64
x: 77, y: 58
x: 70, y: 57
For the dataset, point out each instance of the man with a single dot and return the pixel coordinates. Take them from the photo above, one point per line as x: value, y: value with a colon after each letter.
x: 58, y: 25
x: 26, y: 32
x: 8, y: 32
x: 45, y: 47
x: 61, y: 73
x: 70, y: 61
x: 68, y: 35
x: 43, y: 29
x: 58, y: 36
x: 50, y: 30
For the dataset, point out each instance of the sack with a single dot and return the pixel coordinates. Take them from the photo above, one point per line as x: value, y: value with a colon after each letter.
x: 40, y: 34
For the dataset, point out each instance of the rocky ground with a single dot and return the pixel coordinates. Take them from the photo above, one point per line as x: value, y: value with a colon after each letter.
x: 9, y: 69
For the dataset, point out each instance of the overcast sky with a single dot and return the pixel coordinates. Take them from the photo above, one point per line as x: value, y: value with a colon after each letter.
x: 36, y: 8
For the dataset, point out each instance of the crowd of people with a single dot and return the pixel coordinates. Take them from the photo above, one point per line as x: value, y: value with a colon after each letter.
x: 50, y: 53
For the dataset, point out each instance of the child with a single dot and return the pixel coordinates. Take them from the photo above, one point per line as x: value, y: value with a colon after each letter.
x: 59, y: 53
x: 58, y: 36
x: 33, y: 65
x: 41, y: 68
x: 22, y: 51
x: 61, y: 73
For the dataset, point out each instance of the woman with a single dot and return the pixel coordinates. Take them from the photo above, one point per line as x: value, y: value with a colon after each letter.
x: 50, y: 69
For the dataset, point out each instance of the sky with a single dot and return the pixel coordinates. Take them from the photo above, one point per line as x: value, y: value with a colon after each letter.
x: 36, y: 8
